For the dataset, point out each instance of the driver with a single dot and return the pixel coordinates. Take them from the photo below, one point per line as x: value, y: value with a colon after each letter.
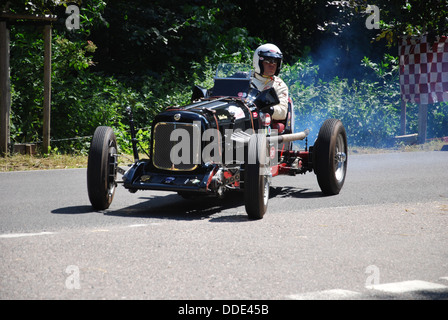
x: 267, y: 63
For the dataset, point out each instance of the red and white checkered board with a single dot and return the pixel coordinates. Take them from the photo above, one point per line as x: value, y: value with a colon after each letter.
x: 424, y: 70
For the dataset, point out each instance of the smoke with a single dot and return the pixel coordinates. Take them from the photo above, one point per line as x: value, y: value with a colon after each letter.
x: 344, y: 89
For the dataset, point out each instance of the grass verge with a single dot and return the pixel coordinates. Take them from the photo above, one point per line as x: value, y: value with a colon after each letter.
x: 19, y: 162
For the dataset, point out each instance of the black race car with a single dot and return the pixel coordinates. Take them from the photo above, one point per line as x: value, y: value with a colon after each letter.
x: 221, y: 141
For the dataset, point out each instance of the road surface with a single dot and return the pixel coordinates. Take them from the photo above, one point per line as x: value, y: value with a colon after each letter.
x: 383, y: 237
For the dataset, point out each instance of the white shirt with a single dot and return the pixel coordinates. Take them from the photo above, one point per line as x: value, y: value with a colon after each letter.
x: 263, y: 83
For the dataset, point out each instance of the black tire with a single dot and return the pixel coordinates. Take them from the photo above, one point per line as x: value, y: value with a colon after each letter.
x: 102, y: 168
x: 330, y: 156
x: 256, y: 178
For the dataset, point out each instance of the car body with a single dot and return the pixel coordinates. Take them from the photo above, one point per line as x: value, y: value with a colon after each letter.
x: 221, y: 141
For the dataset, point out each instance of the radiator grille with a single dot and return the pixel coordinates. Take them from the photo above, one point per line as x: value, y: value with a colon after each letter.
x: 176, y: 146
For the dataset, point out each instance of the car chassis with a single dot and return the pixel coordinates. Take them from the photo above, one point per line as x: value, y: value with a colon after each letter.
x: 224, y: 121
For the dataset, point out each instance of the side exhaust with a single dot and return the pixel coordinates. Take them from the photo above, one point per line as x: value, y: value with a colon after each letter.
x: 243, y: 137
x: 289, y: 137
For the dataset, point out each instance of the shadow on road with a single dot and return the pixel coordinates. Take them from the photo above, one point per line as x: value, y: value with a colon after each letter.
x: 292, y: 192
x: 74, y: 210
x: 175, y: 207
x: 170, y: 206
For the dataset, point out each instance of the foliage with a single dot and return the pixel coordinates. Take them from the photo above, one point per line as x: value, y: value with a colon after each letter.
x: 397, y: 17
x: 369, y: 109
x: 148, y: 55
x: 414, y: 18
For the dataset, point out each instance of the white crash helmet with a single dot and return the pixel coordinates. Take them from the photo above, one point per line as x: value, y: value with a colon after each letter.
x: 267, y: 50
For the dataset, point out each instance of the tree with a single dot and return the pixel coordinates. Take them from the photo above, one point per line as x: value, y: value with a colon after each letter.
x: 142, y: 38
x: 401, y: 17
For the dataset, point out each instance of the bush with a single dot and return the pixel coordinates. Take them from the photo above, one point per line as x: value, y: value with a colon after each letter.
x: 83, y: 99
x: 369, y: 108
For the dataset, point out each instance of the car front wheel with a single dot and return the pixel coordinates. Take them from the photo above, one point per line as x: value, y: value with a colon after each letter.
x: 102, y: 168
x: 257, y: 178
x: 330, y: 156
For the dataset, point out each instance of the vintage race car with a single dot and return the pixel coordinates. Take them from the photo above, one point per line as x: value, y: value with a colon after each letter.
x: 221, y: 141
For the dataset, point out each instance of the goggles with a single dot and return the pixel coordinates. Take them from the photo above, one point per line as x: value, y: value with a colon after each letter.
x: 270, y: 60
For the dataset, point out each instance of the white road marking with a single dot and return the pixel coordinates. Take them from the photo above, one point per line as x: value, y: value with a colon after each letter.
x: 19, y: 235
x: 333, y: 294
x: 394, y: 287
x: 406, y: 286
x: 143, y: 225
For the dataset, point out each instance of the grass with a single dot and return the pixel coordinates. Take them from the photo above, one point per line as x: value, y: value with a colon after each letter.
x: 19, y: 162
x: 432, y: 145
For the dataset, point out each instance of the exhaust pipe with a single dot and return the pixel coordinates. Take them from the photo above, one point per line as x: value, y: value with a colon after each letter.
x: 290, y: 137
x: 243, y: 137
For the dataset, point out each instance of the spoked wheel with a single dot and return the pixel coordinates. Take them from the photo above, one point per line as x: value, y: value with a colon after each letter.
x: 257, y: 177
x: 330, y: 156
x: 102, y: 168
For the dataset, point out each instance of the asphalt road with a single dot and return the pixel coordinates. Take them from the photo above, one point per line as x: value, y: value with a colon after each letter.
x: 383, y: 237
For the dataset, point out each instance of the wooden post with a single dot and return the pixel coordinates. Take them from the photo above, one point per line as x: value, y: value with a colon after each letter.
x: 422, y: 122
x: 403, y: 118
x: 47, y: 88
x: 5, y: 89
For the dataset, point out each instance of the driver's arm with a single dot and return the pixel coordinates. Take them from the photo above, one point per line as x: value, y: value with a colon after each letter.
x: 281, y: 109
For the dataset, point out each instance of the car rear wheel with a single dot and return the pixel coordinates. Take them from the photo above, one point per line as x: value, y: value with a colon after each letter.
x: 102, y: 168
x: 257, y: 178
x: 330, y: 156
